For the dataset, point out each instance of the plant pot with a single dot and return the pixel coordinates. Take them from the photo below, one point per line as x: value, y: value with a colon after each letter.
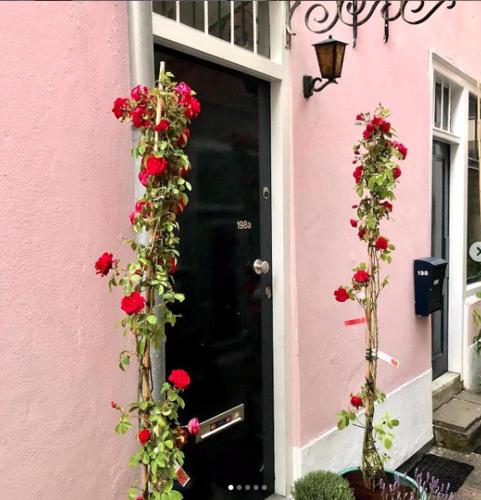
x: 354, y: 476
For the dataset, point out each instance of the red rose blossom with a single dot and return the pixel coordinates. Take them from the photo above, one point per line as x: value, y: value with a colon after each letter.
x: 137, y: 116
x: 386, y: 127
x: 179, y: 378
x: 120, y: 107
x: 144, y: 178
x: 361, y: 276
x: 114, y: 405
x: 183, y: 137
x: 341, y: 295
x: 180, y: 207
x: 183, y: 89
x: 387, y: 205
x: 144, y: 435
x: 162, y: 126
x: 381, y: 243
x: 156, y: 166
x: 172, y: 265
x: 132, y: 217
x: 353, y: 222
x: 396, y: 172
x: 193, y: 426
x: 104, y: 264
x: 138, y: 92
x: 357, y: 174
x: 356, y: 401
x: 401, y: 148
x: 133, y: 303
x: 367, y: 134
x: 359, y: 117
x: 362, y: 232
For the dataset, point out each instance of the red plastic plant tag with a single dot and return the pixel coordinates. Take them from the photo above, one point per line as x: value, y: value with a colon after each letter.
x: 356, y: 321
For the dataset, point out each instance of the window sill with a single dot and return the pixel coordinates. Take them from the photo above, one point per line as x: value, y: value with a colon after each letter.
x: 447, y: 136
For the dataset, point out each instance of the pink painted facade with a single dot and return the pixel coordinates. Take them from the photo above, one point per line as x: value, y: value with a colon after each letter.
x: 399, y: 75
x: 67, y: 189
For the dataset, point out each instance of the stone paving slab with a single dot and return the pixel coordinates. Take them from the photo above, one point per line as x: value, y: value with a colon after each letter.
x: 472, y: 397
x: 458, y: 414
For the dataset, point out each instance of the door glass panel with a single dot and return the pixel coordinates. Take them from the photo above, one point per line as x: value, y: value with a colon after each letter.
x: 192, y: 14
x: 243, y: 25
x: 219, y: 19
x: 473, y: 271
x: 224, y: 335
x: 166, y: 9
x: 446, y: 102
x: 263, y: 33
x: 437, y: 105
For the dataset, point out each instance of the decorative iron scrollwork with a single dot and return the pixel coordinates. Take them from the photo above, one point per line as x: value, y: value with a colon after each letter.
x: 321, y: 17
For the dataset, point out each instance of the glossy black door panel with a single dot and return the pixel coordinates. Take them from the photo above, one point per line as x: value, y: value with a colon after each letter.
x: 224, y: 337
x: 440, y: 248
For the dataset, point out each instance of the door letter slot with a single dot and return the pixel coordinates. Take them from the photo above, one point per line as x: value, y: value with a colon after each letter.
x: 220, y: 423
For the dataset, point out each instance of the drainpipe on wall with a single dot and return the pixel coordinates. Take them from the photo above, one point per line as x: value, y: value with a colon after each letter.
x: 141, y: 63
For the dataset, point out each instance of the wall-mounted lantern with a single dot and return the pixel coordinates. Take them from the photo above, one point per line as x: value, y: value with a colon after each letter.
x: 330, y: 57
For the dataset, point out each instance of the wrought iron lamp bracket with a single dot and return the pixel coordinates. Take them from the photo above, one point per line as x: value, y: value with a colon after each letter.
x: 309, y: 85
x: 354, y: 13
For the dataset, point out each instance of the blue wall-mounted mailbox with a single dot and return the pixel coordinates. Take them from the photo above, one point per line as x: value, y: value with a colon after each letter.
x: 428, y: 284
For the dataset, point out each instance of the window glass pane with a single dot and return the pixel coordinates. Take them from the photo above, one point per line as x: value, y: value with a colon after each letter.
x: 243, y: 25
x: 166, y: 9
x: 445, y: 108
x: 472, y: 129
x: 192, y: 14
x: 437, y: 105
x: 219, y: 20
x: 263, y: 45
x: 474, y: 222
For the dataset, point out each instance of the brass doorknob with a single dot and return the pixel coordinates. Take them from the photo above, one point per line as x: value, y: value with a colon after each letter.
x: 261, y: 266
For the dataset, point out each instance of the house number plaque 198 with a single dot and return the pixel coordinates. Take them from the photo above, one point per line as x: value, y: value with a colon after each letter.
x: 244, y: 224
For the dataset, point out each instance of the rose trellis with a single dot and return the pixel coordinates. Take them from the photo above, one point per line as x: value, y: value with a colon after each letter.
x: 162, y: 115
x: 376, y: 175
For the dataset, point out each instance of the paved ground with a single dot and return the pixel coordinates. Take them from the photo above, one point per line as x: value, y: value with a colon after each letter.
x: 471, y: 488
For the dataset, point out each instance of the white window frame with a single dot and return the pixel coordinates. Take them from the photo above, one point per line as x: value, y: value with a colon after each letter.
x: 173, y: 34
x: 458, y: 140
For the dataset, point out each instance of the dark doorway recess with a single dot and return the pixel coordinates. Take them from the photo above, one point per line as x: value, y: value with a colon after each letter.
x: 224, y: 337
x: 440, y: 248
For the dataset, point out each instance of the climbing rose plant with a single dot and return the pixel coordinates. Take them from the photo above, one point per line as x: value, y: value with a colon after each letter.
x: 376, y: 175
x: 162, y: 115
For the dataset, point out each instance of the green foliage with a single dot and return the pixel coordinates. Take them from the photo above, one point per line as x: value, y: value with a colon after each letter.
x: 150, y: 276
x: 376, y: 156
x: 322, y: 485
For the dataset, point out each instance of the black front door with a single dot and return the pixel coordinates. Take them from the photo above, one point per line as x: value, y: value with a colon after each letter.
x: 224, y: 337
x: 440, y: 248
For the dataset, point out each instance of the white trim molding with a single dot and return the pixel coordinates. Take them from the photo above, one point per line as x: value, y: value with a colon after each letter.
x: 462, y: 84
x: 336, y: 449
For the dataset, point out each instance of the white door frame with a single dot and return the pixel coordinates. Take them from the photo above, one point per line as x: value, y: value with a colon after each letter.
x: 178, y: 36
x: 458, y: 290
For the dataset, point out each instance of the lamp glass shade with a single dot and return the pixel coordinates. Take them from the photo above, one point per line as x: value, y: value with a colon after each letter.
x: 330, y: 57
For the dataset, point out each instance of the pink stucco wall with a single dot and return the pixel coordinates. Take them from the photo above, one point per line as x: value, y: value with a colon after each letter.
x: 65, y: 193
x: 330, y: 356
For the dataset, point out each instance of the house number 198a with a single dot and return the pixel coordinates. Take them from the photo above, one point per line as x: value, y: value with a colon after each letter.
x: 244, y: 224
